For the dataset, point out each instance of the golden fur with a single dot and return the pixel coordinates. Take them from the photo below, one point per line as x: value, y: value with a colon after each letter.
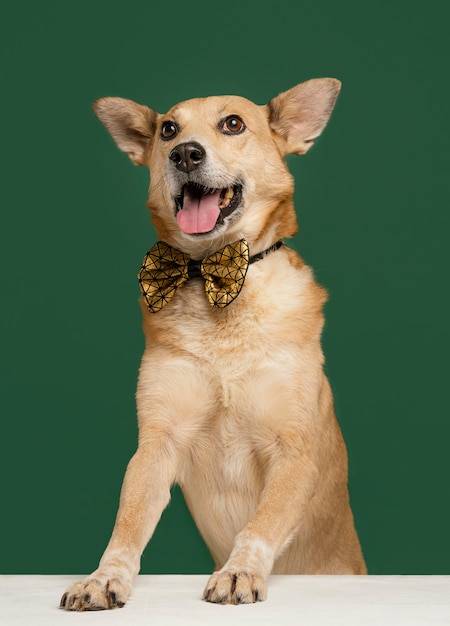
x: 233, y: 404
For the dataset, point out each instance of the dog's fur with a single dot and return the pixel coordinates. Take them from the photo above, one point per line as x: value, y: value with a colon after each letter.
x: 233, y: 403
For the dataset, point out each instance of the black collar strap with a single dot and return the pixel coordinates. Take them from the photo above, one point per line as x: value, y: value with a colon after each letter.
x: 257, y: 257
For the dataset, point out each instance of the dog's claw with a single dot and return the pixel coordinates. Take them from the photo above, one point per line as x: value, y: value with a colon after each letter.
x: 94, y: 595
x: 235, y: 588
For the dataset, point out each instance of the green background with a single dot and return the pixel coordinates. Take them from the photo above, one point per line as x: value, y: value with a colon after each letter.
x: 372, y: 200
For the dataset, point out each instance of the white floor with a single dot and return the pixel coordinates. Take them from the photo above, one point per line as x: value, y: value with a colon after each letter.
x: 293, y: 600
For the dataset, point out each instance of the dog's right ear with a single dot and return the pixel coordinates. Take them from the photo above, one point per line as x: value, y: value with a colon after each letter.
x: 131, y: 125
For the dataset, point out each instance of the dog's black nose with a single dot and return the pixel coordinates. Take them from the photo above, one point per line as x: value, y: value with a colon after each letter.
x: 187, y: 156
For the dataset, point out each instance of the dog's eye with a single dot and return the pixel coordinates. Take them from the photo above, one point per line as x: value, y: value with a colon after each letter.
x: 169, y: 130
x: 232, y: 125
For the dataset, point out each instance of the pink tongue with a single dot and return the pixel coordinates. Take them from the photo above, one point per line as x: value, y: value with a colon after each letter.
x: 199, y: 215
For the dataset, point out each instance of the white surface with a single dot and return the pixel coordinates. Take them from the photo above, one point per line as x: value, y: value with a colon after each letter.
x: 293, y: 600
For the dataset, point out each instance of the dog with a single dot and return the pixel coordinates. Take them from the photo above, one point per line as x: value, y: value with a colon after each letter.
x: 232, y: 399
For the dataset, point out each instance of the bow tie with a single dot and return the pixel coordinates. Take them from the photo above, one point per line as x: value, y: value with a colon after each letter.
x: 165, y: 269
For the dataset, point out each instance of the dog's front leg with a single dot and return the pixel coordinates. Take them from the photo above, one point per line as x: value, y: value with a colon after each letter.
x: 173, y: 400
x: 145, y: 494
x: 243, y: 577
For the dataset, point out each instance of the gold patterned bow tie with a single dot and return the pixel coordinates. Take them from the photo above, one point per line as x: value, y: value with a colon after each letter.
x: 165, y: 269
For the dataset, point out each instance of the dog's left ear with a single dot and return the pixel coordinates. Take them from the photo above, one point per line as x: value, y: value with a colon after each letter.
x: 299, y: 115
x: 131, y: 125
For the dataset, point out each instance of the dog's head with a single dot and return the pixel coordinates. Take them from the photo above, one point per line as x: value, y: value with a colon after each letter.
x: 217, y: 164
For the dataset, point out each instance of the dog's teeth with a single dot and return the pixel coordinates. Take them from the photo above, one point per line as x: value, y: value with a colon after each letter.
x: 226, y: 198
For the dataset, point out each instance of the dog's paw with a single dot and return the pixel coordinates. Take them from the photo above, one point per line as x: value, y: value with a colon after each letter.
x: 92, y: 594
x: 230, y: 587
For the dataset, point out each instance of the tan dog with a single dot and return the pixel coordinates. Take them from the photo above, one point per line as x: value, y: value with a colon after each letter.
x: 233, y: 403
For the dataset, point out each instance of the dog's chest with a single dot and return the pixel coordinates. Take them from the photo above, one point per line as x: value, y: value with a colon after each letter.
x: 222, y: 480
x: 232, y: 345
x: 260, y: 318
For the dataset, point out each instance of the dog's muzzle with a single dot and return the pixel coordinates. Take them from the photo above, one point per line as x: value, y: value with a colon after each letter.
x: 200, y: 206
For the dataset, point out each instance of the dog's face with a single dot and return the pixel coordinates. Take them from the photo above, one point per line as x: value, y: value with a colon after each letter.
x: 217, y: 164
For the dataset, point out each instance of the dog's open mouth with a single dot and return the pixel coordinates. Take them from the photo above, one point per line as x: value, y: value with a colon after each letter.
x: 200, y: 210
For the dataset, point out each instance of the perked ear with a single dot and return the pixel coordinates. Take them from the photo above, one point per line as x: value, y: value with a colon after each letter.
x: 131, y: 125
x: 299, y: 115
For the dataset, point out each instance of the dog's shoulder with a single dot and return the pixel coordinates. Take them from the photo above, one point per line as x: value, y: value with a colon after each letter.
x: 285, y: 285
